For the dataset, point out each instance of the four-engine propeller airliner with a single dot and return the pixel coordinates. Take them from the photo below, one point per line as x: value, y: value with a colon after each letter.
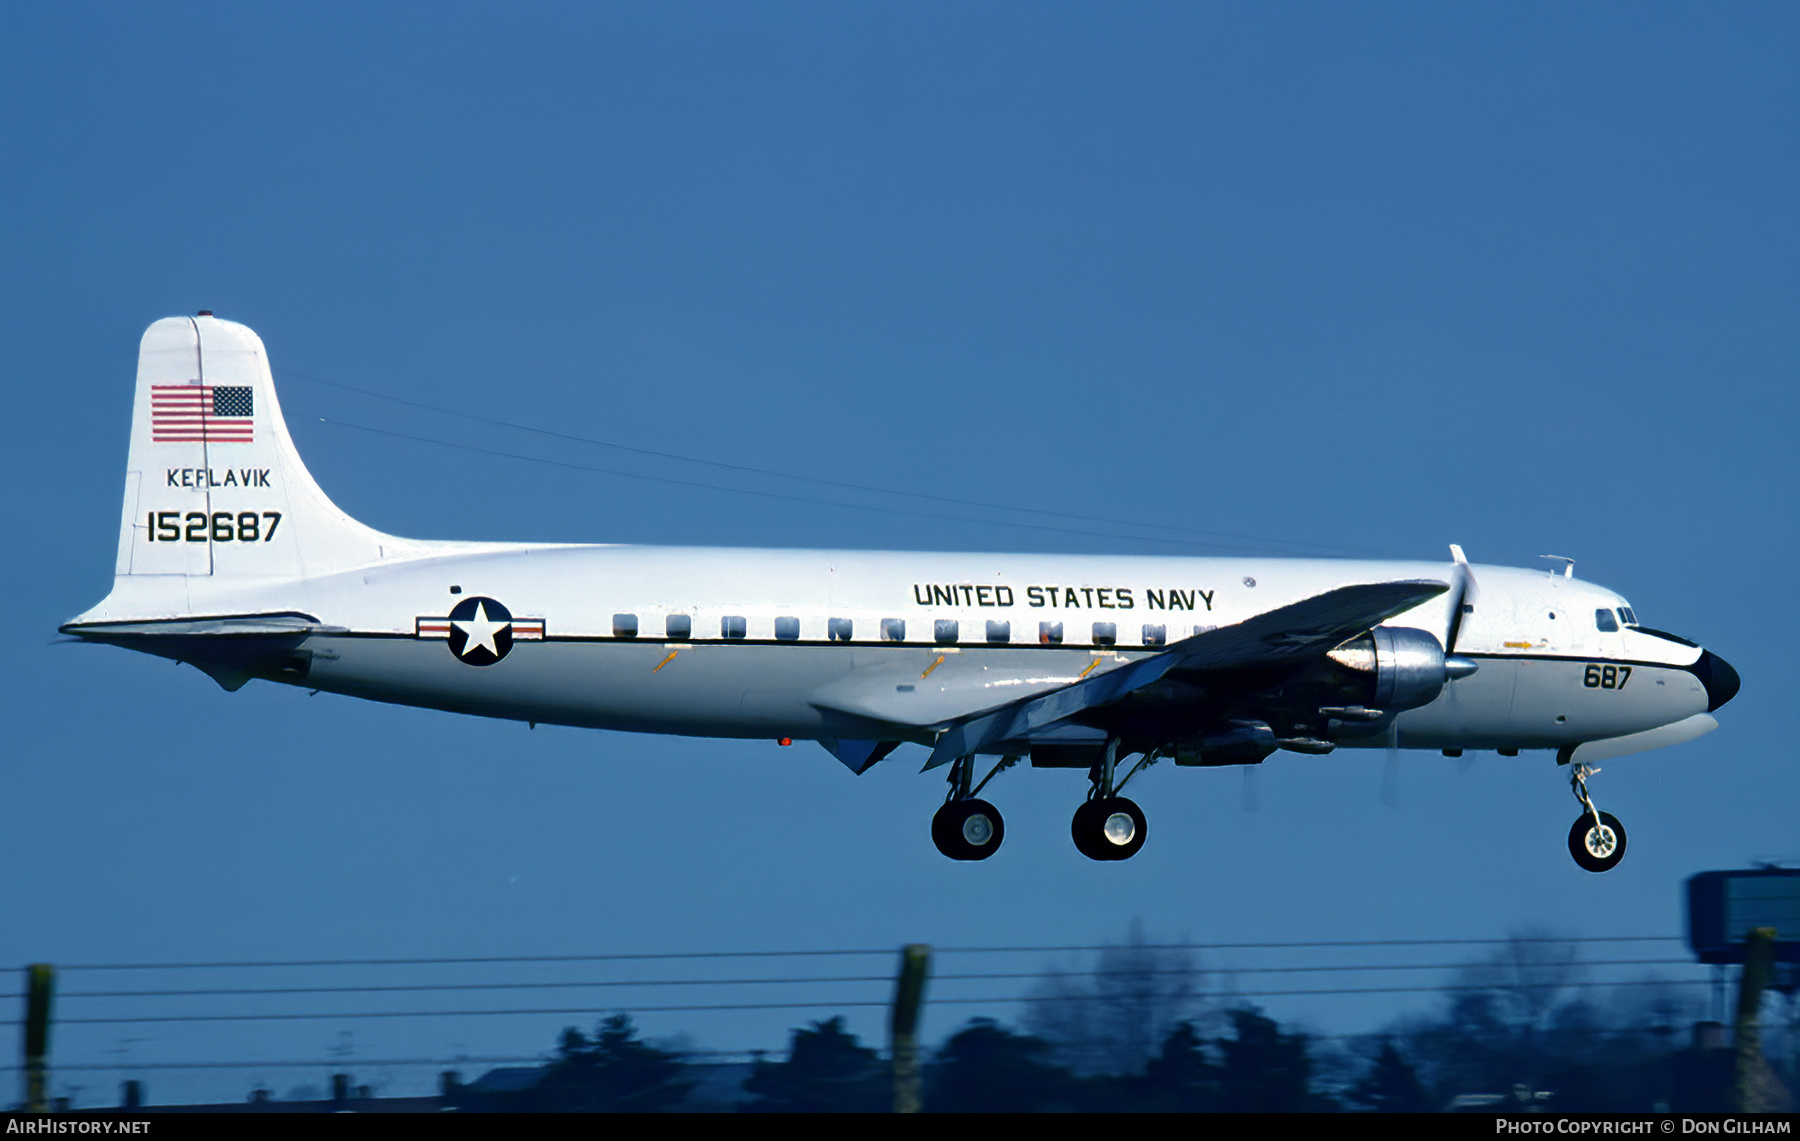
x: 232, y: 559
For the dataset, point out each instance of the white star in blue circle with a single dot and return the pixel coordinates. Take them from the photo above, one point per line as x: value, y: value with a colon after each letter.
x: 480, y: 631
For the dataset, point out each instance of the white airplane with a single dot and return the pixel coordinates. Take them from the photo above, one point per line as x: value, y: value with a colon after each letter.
x: 233, y: 560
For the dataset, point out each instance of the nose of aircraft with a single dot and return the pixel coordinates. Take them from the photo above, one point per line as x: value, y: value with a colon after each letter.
x: 1720, y: 680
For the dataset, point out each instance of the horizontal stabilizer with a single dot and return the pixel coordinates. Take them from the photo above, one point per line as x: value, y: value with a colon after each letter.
x: 227, y: 626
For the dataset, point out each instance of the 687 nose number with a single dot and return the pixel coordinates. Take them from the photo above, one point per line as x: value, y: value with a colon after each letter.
x: 218, y: 527
x: 1606, y: 677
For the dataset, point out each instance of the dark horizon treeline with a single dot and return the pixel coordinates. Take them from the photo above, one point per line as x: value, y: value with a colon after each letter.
x: 1133, y: 1034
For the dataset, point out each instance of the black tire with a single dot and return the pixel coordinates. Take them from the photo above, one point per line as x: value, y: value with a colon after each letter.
x: 1084, y: 828
x: 968, y: 829
x: 1597, y: 849
x: 1092, y: 836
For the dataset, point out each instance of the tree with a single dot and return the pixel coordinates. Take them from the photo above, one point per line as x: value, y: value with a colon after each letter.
x: 1181, y: 1078
x: 827, y: 1071
x: 1113, y: 1018
x: 1265, y: 1070
x: 1498, y: 1030
x: 1391, y: 1086
x: 1527, y: 977
x: 986, y: 1068
x: 1515, y: 1020
x: 612, y: 1072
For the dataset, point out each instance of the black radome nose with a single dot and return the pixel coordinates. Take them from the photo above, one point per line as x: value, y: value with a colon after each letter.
x: 1720, y: 680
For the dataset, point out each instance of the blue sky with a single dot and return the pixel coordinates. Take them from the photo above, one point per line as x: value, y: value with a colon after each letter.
x: 1349, y: 279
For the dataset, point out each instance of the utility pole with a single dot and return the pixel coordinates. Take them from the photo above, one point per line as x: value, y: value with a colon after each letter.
x: 903, y: 1025
x: 40, y: 984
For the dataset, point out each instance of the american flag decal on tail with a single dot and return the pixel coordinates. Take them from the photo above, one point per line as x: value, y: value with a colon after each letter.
x: 202, y: 413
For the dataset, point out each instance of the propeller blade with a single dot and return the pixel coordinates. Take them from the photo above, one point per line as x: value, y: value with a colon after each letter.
x: 1390, y: 774
x: 1390, y: 771
x: 1462, y: 597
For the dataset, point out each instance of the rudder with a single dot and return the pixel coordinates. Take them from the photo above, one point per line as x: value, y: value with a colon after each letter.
x: 214, y: 486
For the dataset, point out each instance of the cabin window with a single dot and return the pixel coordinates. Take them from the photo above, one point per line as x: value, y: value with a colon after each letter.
x: 1605, y: 621
x: 893, y: 629
x: 1050, y: 633
x: 787, y: 629
x: 733, y: 626
x: 838, y: 629
x: 1106, y: 633
x: 999, y: 631
x: 624, y: 625
x: 945, y: 631
x: 1155, y: 635
x: 680, y: 627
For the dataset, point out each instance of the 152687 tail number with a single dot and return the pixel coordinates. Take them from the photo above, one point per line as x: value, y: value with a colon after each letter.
x: 218, y: 527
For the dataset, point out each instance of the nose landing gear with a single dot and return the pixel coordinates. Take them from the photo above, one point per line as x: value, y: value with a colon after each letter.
x: 1596, y: 839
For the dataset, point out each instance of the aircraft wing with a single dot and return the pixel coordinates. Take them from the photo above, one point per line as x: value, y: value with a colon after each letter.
x: 1286, y: 636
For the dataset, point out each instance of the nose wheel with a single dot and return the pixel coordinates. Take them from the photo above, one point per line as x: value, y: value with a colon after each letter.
x: 1596, y: 839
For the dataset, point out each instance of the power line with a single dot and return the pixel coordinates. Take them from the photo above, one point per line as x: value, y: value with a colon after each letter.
x: 797, y: 980
x: 635, y: 1008
x: 715, y: 1056
x: 643, y: 956
x: 1088, y: 531
x: 1213, y: 536
x: 339, y: 1063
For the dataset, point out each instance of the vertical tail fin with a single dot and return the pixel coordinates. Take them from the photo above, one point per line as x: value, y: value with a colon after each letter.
x: 214, y: 486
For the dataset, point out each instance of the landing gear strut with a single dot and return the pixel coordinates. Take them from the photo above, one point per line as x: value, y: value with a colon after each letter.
x: 1597, y: 839
x: 966, y: 828
x: 1108, y: 826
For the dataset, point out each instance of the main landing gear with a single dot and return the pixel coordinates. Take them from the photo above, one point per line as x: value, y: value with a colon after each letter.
x: 1108, y: 826
x: 1597, y: 839
x: 966, y: 828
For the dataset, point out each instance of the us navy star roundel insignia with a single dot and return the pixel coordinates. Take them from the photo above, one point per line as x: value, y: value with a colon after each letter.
x: 481, y: 631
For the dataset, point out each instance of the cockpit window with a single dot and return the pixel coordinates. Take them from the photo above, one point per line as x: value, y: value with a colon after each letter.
x: 1606, y: 622
x: 1628, y: 616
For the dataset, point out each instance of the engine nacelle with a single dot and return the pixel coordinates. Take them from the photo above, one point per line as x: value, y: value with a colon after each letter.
x: 1408, y: 666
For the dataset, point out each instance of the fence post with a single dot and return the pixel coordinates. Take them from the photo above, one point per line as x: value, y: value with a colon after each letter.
x: 903, y: 1026
x: 40, y: 984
